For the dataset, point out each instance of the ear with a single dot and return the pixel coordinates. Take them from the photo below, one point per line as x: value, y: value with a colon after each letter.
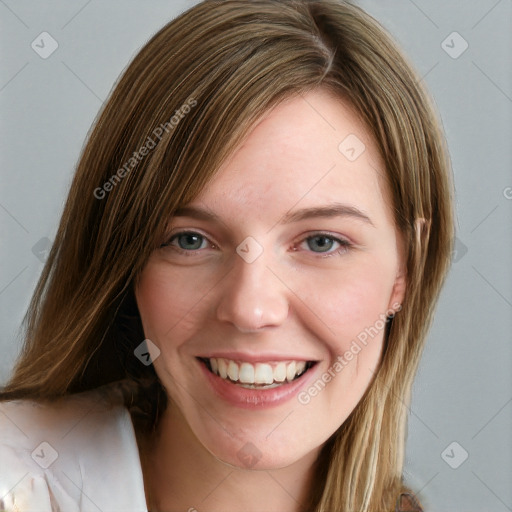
x: 399, y: 287
x: 400, y: 284
x: 420, y: 239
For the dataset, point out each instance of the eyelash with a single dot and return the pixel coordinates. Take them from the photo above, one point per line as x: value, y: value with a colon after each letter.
x: 344, y: 244
x: 185, y: 252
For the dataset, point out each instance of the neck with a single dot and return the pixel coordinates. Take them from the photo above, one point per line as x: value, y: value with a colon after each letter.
x: 181, y: 475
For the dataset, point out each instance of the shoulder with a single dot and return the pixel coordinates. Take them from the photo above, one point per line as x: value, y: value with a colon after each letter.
x: 79, y: 452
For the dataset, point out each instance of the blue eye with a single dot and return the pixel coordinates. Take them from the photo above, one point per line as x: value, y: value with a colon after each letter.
x: 188, y: 241
x: 320, y: 243
x: 325, y: 244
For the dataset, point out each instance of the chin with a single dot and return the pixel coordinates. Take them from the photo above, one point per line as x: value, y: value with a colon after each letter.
x: 259, y: 452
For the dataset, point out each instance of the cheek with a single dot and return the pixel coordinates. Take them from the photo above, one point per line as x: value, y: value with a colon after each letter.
x: 353, y: 305
x: 168, y: 304
x: 351, y: 301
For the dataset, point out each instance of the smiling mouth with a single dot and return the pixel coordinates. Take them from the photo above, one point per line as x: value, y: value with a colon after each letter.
x: 259, y: 375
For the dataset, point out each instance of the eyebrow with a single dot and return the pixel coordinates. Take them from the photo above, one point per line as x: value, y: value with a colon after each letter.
x: 195, y: 213
x: 326, y: 211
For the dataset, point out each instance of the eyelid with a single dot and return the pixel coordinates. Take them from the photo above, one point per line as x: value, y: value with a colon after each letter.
x: 345, y: 243
x: 328, y: 234
x: 182, y: 231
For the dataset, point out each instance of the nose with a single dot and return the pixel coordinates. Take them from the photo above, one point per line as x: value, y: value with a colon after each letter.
x: 252, y: 297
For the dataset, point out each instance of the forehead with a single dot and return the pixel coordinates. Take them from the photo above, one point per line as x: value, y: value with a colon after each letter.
x: 311, y: 148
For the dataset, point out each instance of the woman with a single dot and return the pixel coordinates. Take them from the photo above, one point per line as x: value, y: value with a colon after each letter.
x: 250, y: 255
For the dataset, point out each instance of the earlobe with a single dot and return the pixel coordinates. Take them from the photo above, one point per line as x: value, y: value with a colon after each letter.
x: 399, y: 287
x: 420, y: 239
x: 400, y: 284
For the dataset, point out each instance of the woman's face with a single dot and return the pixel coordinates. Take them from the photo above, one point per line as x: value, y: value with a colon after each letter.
x: 286, y: 264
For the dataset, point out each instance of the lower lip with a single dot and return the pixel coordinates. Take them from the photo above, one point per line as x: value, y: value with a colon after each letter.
x: 255, y: 398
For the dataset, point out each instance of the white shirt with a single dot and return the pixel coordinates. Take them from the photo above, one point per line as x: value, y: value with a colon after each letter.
x: 79, y: 454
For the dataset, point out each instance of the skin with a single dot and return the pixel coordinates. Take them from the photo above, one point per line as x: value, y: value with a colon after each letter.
x: 292, y: 299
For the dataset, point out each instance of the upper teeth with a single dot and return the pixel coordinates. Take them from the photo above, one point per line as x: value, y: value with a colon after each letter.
x: 259, y: 373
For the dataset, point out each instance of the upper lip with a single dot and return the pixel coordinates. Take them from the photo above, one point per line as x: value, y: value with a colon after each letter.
x: 255, y: 358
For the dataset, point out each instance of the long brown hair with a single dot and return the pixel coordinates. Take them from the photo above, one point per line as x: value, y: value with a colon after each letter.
x: 180, y: 108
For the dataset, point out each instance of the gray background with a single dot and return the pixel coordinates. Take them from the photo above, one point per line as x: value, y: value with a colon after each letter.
x: 463, y: 392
